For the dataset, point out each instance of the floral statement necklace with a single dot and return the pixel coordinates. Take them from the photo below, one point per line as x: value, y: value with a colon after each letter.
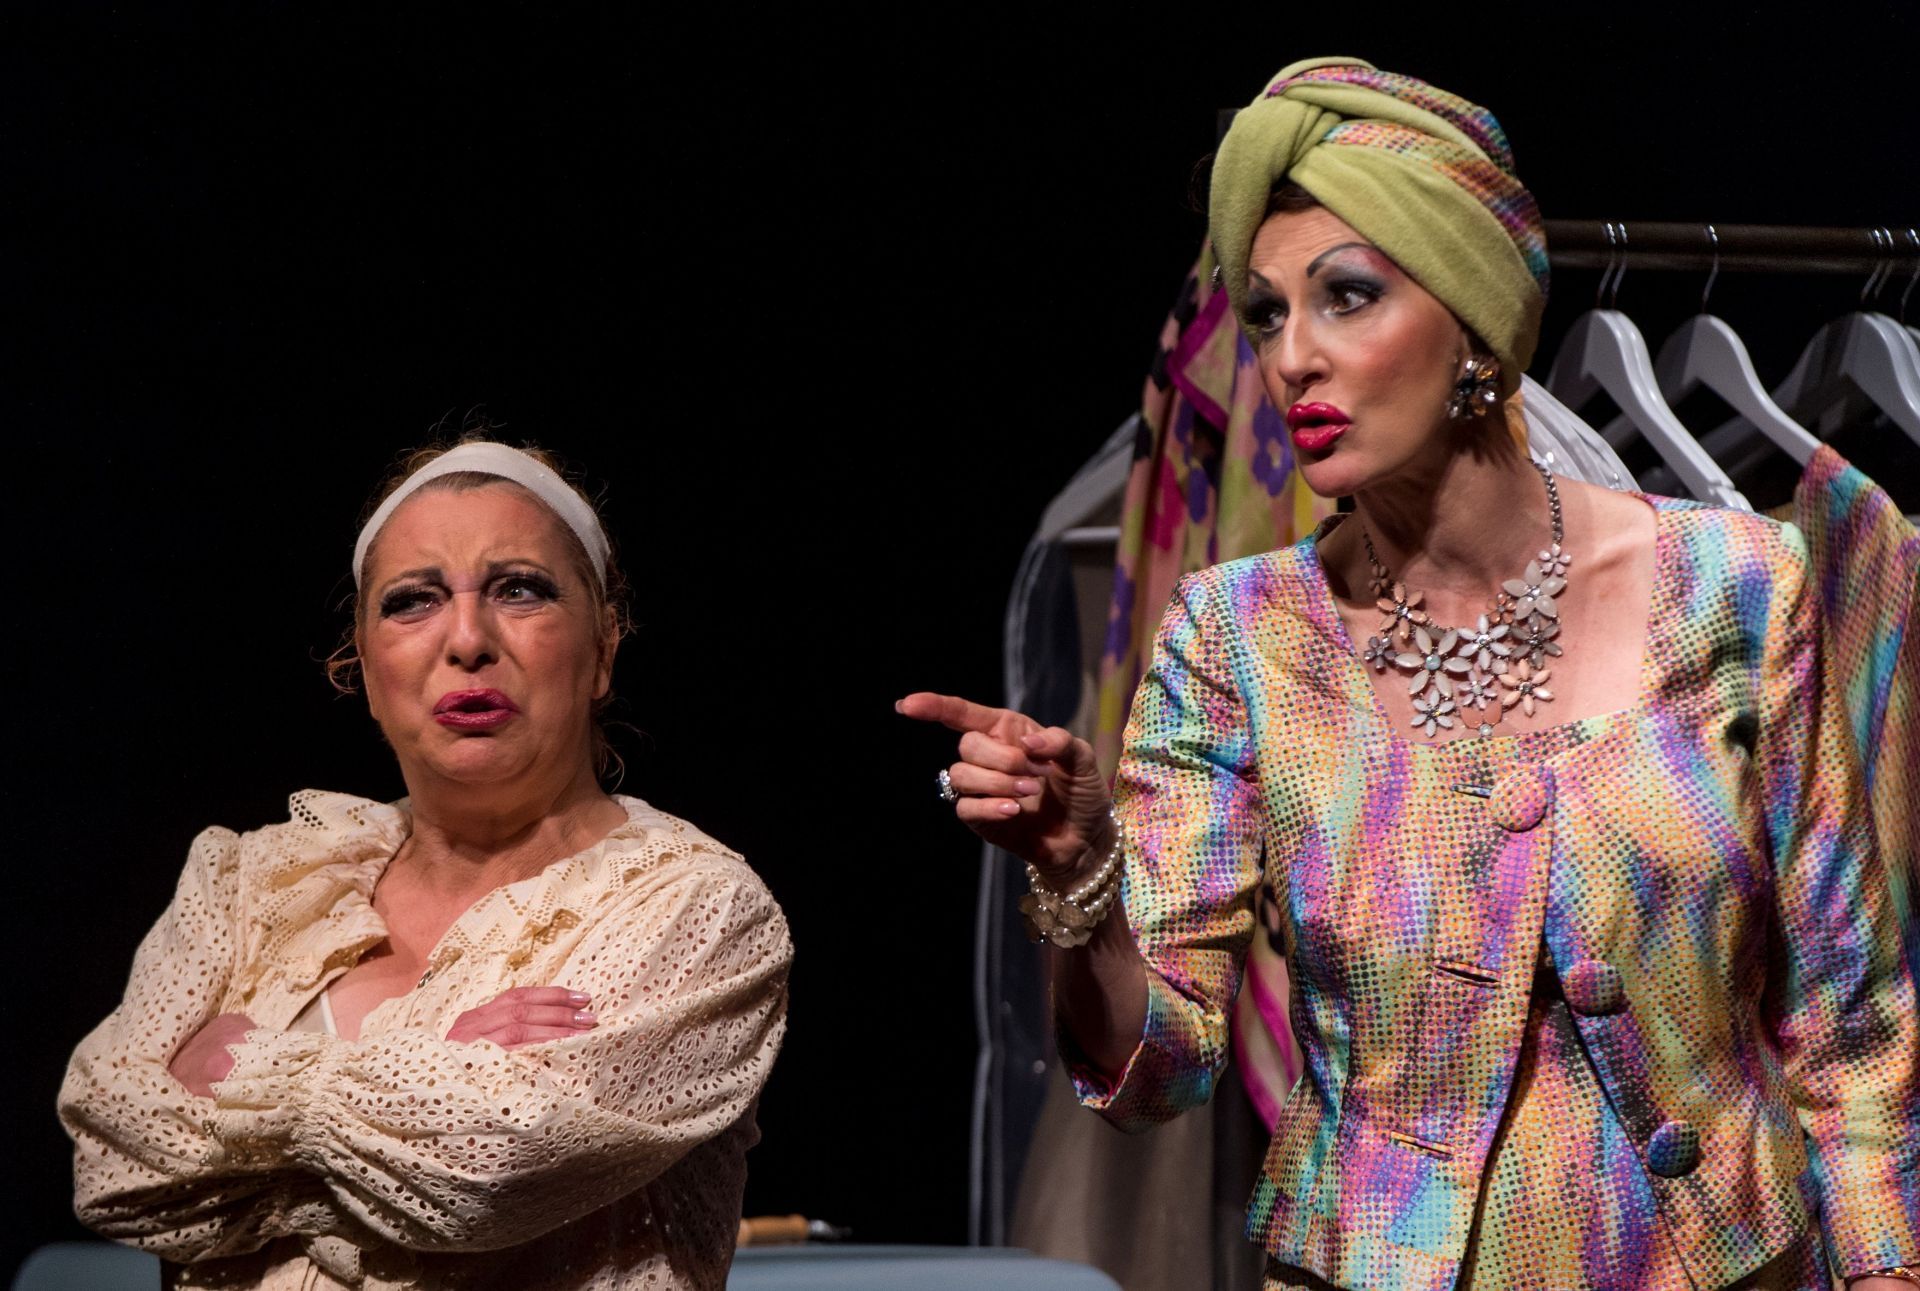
x: 1500, y: 663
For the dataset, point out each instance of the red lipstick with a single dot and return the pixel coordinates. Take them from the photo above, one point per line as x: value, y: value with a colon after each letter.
x: 1316, y: 425
x: 475, y: 710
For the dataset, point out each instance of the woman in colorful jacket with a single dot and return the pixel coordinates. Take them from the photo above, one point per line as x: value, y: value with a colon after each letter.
x: 506, y: 1032
x: 1595, y: 973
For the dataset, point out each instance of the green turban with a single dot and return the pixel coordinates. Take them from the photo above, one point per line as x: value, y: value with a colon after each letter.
x: 1422, y: 174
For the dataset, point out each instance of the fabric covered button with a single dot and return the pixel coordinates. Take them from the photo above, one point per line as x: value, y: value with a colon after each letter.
x: 1522, y: 798
x: 1593, y: 987
x: 1673, y: 1150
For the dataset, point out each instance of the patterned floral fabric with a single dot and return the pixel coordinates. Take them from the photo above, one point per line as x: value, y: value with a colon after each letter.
x: 1866, y: 556
x: 1698, y: 872
x: 612, y: 1159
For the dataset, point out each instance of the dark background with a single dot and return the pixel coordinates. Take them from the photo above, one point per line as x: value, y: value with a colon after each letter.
x: 831, y: 306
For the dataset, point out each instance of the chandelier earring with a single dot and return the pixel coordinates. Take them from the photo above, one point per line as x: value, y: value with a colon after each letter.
x: 1477, y: 390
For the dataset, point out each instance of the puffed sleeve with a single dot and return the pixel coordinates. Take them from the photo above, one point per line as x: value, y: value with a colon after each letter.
x: 1188, y: 799
x: 434, y: 1145
x: 1843, y: 1000
x: 145, y: 1168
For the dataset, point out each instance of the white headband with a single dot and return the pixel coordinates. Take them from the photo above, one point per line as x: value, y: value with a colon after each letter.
x: 508, y: 463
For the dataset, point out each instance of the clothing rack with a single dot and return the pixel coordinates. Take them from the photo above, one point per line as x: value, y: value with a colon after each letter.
x: 1893, y: 250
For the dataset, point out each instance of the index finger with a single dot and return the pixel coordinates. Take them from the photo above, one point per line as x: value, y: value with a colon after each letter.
x: 541, y: 995
x: 951, y: 711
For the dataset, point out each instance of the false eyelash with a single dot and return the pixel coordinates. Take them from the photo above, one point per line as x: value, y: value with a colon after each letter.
x: 1369, y: 291
x: 399, y: 600
x: 540, y: 583
x: 1263, y: 314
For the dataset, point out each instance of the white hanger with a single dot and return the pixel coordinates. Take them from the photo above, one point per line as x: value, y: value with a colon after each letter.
x: 1605, y: 351
x: 1906, y: 359
x: 1859, y: 354
x: 1904, y: 345
x: 1913, y: 236
x: 1869, y: 351
x: 1907, y: 333
x: 1903, y: 403
x: 1705, y: 351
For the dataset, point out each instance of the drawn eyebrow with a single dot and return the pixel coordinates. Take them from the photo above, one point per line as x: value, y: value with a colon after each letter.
x: 1330, y: 251
x: 495, y: 569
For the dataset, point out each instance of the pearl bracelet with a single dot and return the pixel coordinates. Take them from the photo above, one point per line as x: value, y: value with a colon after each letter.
x: 1068, y: 921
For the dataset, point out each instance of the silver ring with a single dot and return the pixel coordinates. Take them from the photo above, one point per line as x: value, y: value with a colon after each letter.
x: 947, y: 792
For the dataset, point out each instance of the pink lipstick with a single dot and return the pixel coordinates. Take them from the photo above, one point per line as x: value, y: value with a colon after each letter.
x: 475, y: 710
x: 1316, y: 425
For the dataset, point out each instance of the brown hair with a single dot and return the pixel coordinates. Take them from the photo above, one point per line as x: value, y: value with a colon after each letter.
x: 343, y: 665
x: 1288, y: 198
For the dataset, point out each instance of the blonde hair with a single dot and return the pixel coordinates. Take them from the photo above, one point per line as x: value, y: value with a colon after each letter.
x: 343, y: 665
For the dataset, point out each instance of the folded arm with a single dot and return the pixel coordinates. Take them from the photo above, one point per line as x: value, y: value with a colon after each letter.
x: 433, y: 1144
x: 146, y: 1168
x: 409, y: 1137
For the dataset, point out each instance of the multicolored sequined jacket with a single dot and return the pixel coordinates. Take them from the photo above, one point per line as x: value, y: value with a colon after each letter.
x: 1699, y: 869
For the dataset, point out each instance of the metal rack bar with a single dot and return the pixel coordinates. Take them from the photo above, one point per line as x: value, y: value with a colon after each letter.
x: 1743, y: 248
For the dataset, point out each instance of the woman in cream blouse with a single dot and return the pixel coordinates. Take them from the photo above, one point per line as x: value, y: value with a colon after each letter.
x: 508, y: 1031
